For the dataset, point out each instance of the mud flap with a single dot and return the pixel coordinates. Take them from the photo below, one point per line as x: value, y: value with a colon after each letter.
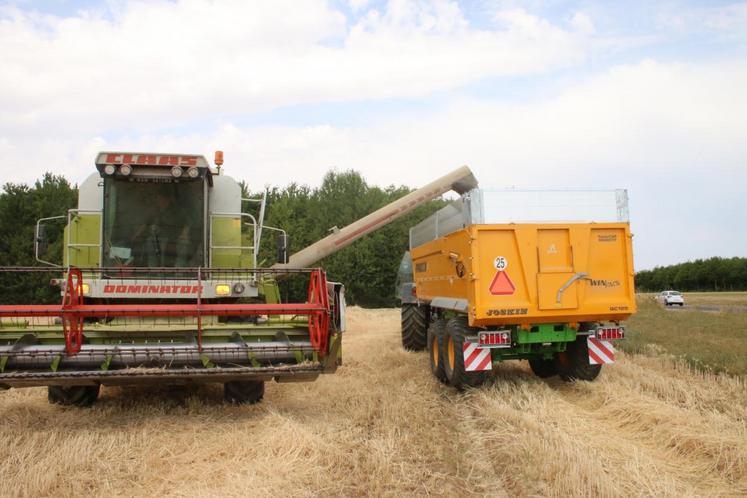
x: 600, y: 352
x: 476, y: 359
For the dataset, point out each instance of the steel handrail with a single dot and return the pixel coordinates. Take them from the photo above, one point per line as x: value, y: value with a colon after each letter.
x: 240, y: 247
x: 36, y: 240
x: 70, y: 245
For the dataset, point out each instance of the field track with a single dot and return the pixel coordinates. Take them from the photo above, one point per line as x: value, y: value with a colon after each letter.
x: 383, y: 426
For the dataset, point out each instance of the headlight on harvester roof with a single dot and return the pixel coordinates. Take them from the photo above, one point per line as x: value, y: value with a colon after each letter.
x: 222, y: 290
x: 86, y: 289
x: 109, y: 169
x: 176, y: 172
x: 125, y: 169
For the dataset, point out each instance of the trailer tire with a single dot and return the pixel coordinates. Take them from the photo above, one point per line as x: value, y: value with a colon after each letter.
x: 542, y: 368
x: 82, y: 396
x: 243, y: 392
x: 436, y: 334
x: 414, y: 326
x: 573, y: 364
x: 453, y: 346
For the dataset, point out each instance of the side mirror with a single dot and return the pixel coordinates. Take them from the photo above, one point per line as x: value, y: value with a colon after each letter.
x: 283, y: 245
x: 41, y: 239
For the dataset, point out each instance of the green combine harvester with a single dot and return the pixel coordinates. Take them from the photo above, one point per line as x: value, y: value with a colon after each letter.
x: 159, y: 283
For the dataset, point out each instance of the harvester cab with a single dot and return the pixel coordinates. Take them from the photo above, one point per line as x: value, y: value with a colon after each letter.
x: 160, y: 283
x: 161, y: 211
x: 154, y: 216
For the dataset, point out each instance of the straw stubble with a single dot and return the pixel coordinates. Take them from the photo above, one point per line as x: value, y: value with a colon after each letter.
x: 383, y: 426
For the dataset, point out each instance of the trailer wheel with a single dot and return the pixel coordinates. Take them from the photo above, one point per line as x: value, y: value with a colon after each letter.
x: 436, y: 334
x: 243, y: 392
x: 573, y: 364
x: 414, y: 326
x: 452, y: 352
x: 542, y: 368
x: 73, y: 395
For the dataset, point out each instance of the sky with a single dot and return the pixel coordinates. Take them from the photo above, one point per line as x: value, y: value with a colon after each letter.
x: 646, y: 96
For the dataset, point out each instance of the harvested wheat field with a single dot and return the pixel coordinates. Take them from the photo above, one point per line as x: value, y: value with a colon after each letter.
x: 383, y: 426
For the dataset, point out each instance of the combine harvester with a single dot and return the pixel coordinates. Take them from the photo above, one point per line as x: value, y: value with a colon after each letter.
x: 503, y: 275
x: 159, y: 283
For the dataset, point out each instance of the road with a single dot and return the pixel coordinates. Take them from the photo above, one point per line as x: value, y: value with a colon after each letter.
x: 383, y: 426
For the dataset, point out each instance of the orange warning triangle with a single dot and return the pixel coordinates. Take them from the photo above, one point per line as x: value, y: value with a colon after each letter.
x: 502, y: 285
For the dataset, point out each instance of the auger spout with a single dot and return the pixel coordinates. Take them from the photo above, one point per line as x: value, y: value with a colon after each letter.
x: 460, y: 180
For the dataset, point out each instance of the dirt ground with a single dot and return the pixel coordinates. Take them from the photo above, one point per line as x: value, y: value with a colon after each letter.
x: 382, y: 426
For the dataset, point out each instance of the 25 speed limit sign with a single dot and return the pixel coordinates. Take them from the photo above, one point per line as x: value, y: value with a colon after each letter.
x: 500, y: 263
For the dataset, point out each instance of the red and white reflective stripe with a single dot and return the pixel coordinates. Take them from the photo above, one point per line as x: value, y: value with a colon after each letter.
x: 476, y: 359
x: 600, y: 352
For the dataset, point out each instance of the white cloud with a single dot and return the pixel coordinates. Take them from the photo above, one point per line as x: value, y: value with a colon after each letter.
x: 673, y: 134
x: 728, y: 22
x: 629, y: 119
x: 159, y: 64
x: 357, y: 5
x: 582, y: 22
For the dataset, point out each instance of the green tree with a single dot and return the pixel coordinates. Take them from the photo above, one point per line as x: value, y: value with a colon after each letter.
x: 20, y: 207
x: 712, y: 274
x: 368, y: 267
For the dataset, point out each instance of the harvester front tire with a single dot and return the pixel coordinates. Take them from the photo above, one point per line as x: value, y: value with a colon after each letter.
x: 244, y: 392
x: 414, y: 327
x: 542, y: 368
x: 453, y: 354
x: 436, y: 333
x: 573, y: 364
x: 73, y: 395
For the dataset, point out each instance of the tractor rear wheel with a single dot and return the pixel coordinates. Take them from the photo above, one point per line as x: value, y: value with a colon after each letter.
x: 436, y: 334
x: 414, y: 326
x: 542, y: 368
x: 453, y: 354
x: 573, y: 364
x: 244, y: 392
x: 73, y: 395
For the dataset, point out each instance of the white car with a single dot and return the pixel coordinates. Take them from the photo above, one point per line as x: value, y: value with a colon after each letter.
x: 671, y: 298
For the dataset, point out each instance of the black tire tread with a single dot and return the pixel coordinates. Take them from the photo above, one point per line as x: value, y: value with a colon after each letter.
x: 243, y: 392
x: 414, y: 327
x: 457, y: 328
x: 436, y: 333
x: 542, y: 368
x: 576, y: 365
x: 82, y: 396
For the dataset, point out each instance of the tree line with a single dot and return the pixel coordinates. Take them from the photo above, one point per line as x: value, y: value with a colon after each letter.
x: 20, y: 206
x: 368, y: 267
x: 712, y: 274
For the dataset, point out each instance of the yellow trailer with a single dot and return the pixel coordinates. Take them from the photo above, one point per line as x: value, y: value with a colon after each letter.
x: 490, y: 283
